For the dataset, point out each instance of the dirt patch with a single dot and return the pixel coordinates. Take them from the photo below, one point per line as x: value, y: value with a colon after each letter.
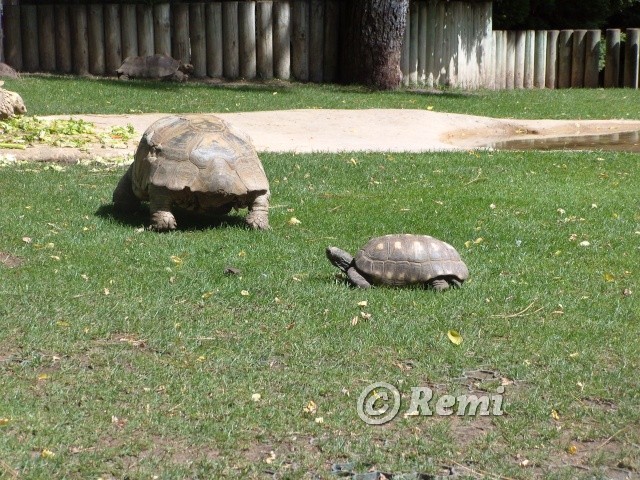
x: 306, y: 131
x: 10, y: 261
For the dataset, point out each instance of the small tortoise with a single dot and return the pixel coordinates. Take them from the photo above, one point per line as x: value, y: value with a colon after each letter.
x: 399, y: 260
x: 196, y: 163
x: 157, y: 66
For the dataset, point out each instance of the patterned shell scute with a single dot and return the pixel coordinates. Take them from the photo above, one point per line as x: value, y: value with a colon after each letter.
x: 408, y: 259
x: 203, y: 153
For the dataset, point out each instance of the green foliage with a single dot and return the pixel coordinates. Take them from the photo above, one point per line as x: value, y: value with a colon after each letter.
x: 561, y: 14
x: 26, y: 130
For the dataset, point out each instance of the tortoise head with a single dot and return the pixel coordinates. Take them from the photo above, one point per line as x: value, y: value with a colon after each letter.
x: 339, y: 258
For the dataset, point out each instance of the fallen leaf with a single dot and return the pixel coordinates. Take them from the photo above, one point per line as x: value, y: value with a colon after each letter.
x: 43, y: 376
x: 319, y: 420
x: 363, y: 303
x: 572, y: 449
x: 454, y: 337
x: 256, y: 397
x: 4, y: 421
x: 310, y: 407
x: 244, y: 293
x: 27, y: 239
x: 46, y: 453
x: 584, y: 243
x: 206, y: 295
x: 608, y: 277
x: 354, y: 321
x: 294, y: 221
x: 176, y: 259
x: 555, y: 415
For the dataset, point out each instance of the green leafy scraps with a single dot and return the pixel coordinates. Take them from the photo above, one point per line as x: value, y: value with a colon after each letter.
x: 23, y: 131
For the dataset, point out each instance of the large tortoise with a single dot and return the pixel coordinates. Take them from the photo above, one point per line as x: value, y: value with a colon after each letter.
x: 158, y: 66
x: 402, y: 259
x: 197, y: 163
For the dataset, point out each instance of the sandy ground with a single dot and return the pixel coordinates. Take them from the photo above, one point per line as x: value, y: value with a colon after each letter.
x: 349, y: 130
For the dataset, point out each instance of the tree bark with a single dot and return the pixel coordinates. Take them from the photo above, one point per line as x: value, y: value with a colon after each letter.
x: 372, y: 42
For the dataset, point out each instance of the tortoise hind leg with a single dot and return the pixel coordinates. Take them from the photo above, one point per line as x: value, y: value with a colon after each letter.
x: 258, y: 216
x: 160, y: 208
x: 124, y: 200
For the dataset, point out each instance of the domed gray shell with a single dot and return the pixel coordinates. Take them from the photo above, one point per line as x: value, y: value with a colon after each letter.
x: 202, y: 153
x: 409, y: 259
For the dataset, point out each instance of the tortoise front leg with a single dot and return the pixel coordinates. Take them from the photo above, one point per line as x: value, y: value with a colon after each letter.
x: 438, y: 284
x: 160, y: 208
x: 258, y: 216
x: 356, y: 279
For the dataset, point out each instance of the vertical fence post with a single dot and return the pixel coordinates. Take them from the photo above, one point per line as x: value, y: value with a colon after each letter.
x: 300, y: 40
x: 577, y: 58
x: 113, y: 43
x: 331, y: 35
x: 316, y: 40
x: 529, y: 58
x: 592, y: 59
x: 144, y: 17
x: 230, y: 45
x: 29, y: 27
x: 431, y: 42
x: 247, y: 39
x: 264, y: 40
x: 129, y: 30
x: 565, y: 46
x: 422, y: 42
x: 79, y: 39
x: 552, y: 59
x: 95, y: 31
x: 282, y: 40
x: 12, y: 36
x: 62, y: 29
x: 499, y: 59
x: 510, y: 65
x: 612, y: 59
x: 180, y: 44
x: 631, y: 57
x: 540, y: 59
x: 198, y: 40
x: 162, y: 28
x: 47, y: 40
x: 213, y: 14
x: 521, y: 45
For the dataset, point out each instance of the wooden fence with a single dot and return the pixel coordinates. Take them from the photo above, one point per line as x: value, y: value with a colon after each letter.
x: 565, y: 59
x: 446, y: 43
x: 295, y: 39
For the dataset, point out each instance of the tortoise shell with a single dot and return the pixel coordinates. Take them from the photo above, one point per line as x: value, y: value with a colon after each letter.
x: 199, y: 153
x: 409, y: 259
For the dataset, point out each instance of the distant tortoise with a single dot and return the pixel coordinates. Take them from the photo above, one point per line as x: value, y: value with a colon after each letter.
x: 157, y: 66
x: 7, y: 72
x: 399, y: 260
x: 197, y: 163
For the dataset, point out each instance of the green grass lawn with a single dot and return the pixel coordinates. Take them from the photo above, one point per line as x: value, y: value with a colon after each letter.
x: 49, y: 95
x: 130, y: 354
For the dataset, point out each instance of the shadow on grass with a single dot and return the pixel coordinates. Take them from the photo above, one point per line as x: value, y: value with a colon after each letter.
x: 186, y: 221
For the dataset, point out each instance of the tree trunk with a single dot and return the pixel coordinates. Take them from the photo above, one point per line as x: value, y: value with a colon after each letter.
x: 372, y: 42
